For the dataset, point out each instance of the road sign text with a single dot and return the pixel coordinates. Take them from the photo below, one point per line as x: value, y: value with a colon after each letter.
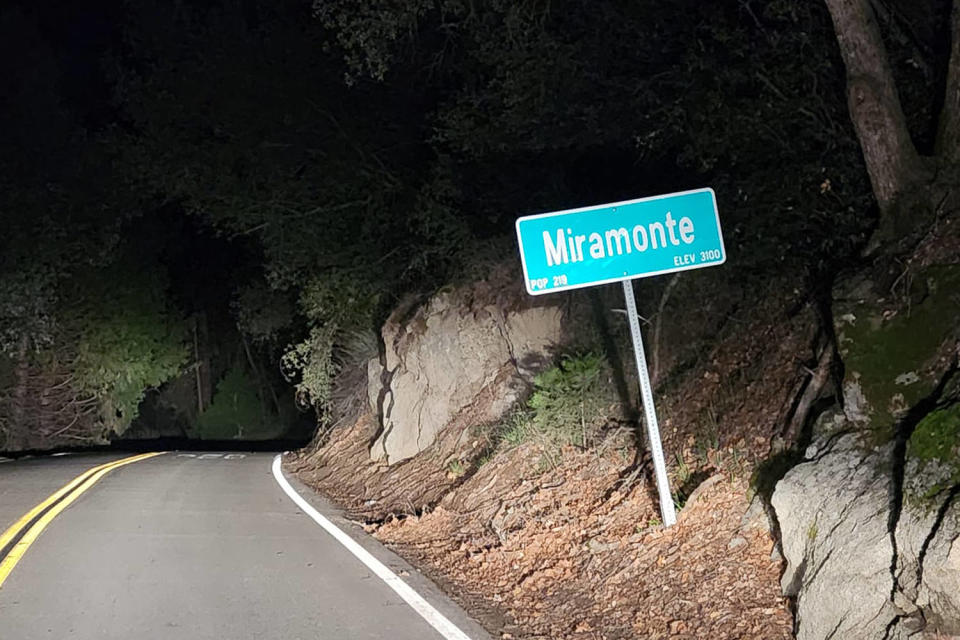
x: 632, y: 239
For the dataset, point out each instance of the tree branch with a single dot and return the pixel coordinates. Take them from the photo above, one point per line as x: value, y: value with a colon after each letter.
x: 948, y: 134
x: 658, y: 326
x: 892, y: 160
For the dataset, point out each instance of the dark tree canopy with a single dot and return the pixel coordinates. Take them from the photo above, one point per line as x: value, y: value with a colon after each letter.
x: 340, y: 156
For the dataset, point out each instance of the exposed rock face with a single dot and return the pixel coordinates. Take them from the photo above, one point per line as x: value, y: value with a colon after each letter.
x: 461, y: 359
x: 833, y: 514
x: 851, y: 576
x: 870, y: 522
x: 928, y: 543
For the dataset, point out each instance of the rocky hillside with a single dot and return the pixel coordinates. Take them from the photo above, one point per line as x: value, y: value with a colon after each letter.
x: 540, y: 514
x: 871, y: 512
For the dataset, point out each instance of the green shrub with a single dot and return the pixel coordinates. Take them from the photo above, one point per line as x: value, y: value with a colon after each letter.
x: 567, y: 400
x: 235, y: 412
x: 339, y: 309
x: 128, y: 337
x: 312, y: 361
x: 456, y: 468
x: 570, y: 397
x: 516, y: 429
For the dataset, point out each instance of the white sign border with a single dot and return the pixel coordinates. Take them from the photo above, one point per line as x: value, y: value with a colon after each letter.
x: 713, y: 263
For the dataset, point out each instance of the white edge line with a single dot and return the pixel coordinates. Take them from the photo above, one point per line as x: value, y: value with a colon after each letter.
x: 433, y: 617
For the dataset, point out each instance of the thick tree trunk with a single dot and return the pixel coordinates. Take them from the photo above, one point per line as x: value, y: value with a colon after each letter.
x: 892, y: 160
x: 948, y: 136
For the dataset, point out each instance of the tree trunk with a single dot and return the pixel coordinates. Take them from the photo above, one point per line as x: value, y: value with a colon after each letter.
x: 198, y: 364
x: 892, y: 160
x: 17, y: 433
x: 948, y: 135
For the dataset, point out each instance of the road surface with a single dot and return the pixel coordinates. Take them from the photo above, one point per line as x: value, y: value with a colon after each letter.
x: 200, y: 546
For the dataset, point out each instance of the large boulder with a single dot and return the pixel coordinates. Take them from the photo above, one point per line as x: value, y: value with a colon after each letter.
x: 833, y: 512
x: 864, y: 560
x: 869, y: 521
x: 463, y: 358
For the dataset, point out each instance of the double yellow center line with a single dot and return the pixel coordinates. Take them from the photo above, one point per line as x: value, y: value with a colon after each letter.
x: 17, y: 539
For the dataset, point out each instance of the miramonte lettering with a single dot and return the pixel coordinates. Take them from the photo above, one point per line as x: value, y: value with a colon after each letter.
x: 588, y: 246
x: 565, y: 247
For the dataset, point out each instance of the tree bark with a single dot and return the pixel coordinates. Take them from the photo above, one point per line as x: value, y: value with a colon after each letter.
x: 892, y: 160
x: 657, y: 329
x: 196, y: 358
x: 948, y: 134
x: 17, y: 434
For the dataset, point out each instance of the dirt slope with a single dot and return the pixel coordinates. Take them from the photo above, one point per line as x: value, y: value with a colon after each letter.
x: 578, y: 552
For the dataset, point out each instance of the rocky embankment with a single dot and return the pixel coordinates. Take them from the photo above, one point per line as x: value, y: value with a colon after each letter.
x: 870, y: 520
x: 541, y: 541
x: 861, y: 541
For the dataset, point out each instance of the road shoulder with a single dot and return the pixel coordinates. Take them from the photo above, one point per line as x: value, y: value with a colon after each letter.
x: 412, y: 576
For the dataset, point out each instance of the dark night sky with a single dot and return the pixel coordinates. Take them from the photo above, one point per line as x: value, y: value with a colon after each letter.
x: 82, y: 35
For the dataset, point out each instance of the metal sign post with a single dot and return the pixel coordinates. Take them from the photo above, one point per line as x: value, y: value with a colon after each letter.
x: 667, y: 510
x: 619, y: 242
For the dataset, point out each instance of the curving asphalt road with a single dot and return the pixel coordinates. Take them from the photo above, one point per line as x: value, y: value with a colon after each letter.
x: 198, y: 546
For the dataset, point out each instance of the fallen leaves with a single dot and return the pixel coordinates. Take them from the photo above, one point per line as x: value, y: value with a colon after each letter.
x: 572, y: 564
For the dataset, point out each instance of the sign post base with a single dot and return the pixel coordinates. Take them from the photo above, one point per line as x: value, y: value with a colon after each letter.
x: 667, y: 510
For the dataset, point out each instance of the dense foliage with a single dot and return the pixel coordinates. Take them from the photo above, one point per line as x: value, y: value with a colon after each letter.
x: 237, y: 411
x: 358, y: 150
x: 127, y: 337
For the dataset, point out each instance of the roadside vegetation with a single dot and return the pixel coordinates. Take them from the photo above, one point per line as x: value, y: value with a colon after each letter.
x: 363, y: 155
x: 568, y: 406
x: 284, y: 176
x: 212, y: 210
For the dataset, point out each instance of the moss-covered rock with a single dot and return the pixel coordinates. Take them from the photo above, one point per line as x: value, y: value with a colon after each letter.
x: 933, y: 455
x: 893, y: 347
x: 936, y: 436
